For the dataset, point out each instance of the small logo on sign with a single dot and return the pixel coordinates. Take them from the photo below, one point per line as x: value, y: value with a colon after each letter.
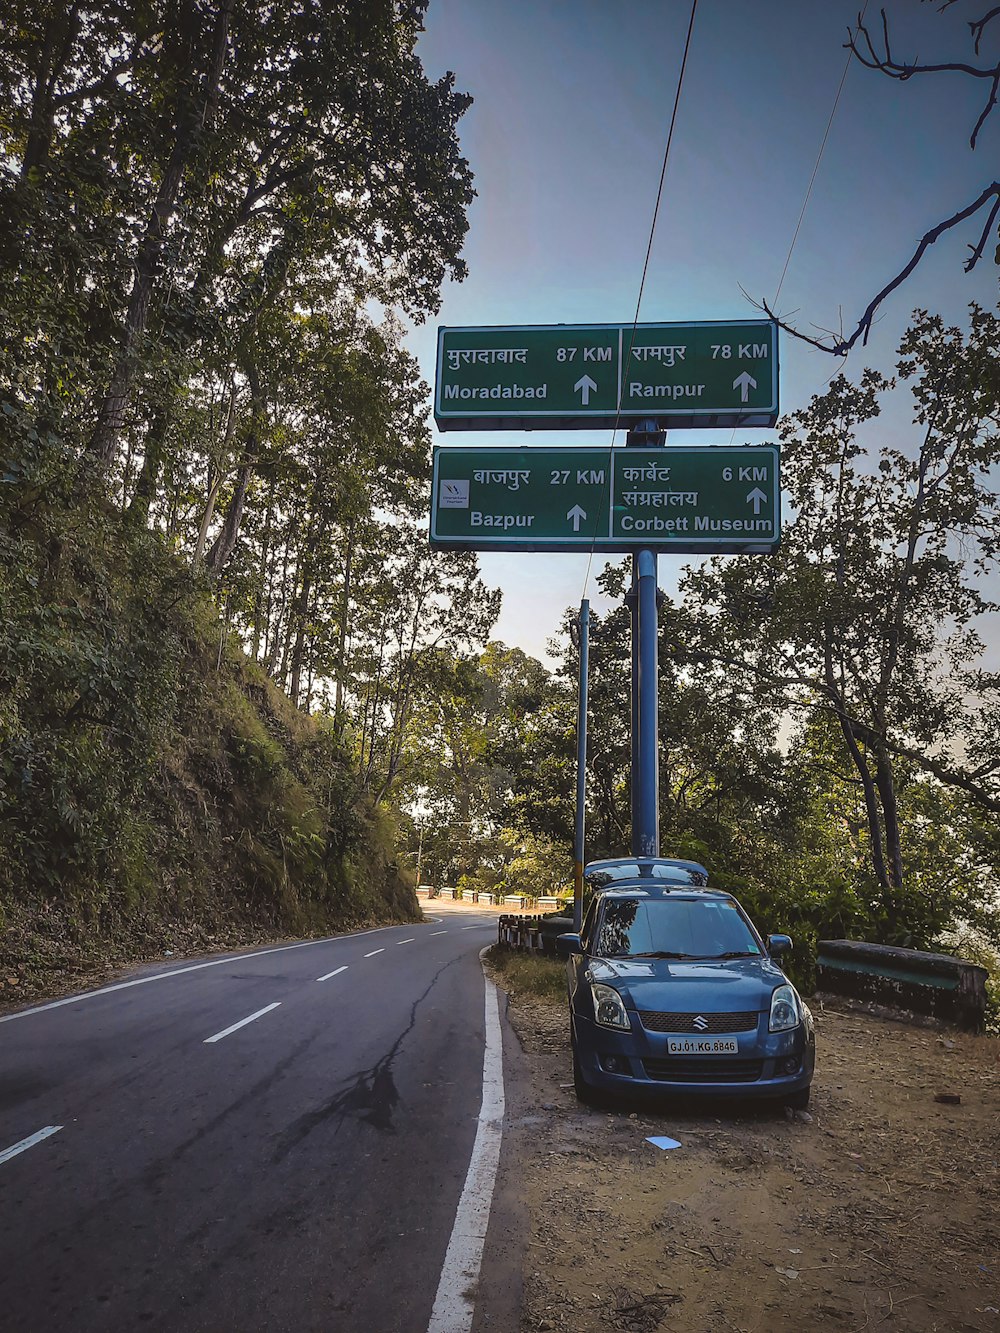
x: 454, y: 495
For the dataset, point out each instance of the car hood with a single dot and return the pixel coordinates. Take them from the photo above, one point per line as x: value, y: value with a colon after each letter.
x: 675, y: 985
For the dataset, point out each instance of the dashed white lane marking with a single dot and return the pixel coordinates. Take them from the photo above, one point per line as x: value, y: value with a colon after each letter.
x: 454, y: 1307
x: 243, y: 1022
x: 439, y: 932
x: 179, y: 971
x: 374, y: 952
x: 335, y: 973
x: 409, y: 941
x: 29, y: 1142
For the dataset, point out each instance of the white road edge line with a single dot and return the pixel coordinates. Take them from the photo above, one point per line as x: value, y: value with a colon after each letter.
x: 335, y: 973
x: 454, y: 1308
x: 243, y: 1022
x: 374, y: 952
x: 179, y: 971
x: 29, y: 1142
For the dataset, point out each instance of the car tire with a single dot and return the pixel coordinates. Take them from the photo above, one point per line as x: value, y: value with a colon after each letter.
x: 798, y: 1101
x: 584, y: 1092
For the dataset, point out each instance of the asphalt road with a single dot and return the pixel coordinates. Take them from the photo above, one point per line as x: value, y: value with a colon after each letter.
x: 277, y: 1141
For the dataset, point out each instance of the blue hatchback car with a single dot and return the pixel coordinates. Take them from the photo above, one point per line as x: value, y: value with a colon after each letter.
x: 671, y: 989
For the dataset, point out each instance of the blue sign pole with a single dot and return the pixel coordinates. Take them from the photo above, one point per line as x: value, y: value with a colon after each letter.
x: 581, y: 766
x: 632, y: 602
x: 645, y: 680
x: 646, y: 837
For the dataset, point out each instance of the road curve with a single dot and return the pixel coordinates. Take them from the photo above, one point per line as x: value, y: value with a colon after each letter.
x: 274, y: 1140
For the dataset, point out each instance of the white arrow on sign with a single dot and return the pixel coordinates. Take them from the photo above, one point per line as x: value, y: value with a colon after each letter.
x: 756, y: 498
x: 744, y: 383
x: 576, y: 513
x: 587, y: 386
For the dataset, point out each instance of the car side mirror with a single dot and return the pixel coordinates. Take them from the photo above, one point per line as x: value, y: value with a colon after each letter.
x: 568, y: 944
x: 779, y: 944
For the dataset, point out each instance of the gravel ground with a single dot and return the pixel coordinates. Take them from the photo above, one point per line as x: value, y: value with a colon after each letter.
x: 878, y: 1209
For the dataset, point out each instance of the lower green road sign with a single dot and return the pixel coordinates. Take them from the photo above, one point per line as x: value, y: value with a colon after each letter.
x: 711, y: 498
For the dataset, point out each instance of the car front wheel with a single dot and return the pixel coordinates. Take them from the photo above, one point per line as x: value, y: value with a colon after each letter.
x: 798, y: 1101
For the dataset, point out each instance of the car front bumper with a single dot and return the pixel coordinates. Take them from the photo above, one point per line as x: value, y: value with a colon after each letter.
x: 639, y: 1061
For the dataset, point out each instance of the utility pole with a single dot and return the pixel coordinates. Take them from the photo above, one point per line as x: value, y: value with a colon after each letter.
x: 580, y: 632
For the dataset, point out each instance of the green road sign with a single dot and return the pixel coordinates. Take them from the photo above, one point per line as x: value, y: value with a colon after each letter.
x: 588, y: 376
x: 711, y: 498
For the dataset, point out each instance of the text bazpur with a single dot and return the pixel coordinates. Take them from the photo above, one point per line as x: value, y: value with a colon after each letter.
x: 511, y: 478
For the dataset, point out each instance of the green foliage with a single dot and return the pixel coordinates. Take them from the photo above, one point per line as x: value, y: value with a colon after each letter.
x: 527, y: 973
x: 205, y: 443
x: 146, y: 785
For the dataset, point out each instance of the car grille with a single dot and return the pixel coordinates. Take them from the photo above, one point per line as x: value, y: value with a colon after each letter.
x: 655, y: 1022
x: 710, y: 1070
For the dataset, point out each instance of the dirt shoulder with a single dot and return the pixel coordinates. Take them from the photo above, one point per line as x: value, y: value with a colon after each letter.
x: 880, y: 1209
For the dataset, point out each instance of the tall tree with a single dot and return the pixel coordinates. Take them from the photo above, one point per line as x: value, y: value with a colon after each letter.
x: 870, y: 606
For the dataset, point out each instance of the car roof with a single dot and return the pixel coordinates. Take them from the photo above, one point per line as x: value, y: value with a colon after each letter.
x: 645, y: 868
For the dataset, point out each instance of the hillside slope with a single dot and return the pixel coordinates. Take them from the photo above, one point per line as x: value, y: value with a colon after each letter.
x: 157, y: 792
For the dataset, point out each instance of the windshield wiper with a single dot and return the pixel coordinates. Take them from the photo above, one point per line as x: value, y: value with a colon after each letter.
x: 734, y: 953
x: 662, y: 953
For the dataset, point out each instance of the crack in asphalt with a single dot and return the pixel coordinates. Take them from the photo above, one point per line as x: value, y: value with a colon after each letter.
x: 370, y: 1095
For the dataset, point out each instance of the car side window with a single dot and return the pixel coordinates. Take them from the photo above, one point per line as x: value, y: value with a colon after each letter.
x: 587, y: 931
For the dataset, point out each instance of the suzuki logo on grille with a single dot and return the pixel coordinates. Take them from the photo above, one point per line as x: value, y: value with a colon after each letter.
x: 700, y: 1023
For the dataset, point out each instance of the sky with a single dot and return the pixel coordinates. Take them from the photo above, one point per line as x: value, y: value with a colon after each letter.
x: 566, y: 137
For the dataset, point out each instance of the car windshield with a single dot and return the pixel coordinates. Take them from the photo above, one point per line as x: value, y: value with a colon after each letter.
x: 674, y: 928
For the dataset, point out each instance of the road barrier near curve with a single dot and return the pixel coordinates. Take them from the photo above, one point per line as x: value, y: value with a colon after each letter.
x: 929, y: 983
x: 534, y: 933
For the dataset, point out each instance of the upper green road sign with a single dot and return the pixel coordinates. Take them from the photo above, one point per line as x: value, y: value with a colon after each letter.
x: 714, y: 498
x: 587, y: 376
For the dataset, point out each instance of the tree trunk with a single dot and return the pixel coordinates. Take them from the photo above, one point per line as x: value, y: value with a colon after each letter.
x: 215, y: 483
x: 149, y: 474
x: 345, y: 613
x: 62, y: 28
x: 262, y: 614
x: 886, y: 784
x: 301, y: 617
x: 190, y: 120
x: 222, y: 547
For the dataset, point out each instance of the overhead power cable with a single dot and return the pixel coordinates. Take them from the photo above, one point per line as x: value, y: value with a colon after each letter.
x: 815, y: 173
x: 652, y: 233
x: 819, y: 159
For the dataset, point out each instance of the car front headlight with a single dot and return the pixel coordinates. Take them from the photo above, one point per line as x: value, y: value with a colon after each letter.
x: 785, y: 1012
x: 609, y: 1010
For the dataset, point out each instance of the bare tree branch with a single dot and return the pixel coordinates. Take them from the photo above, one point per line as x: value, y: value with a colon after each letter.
x: 842, y: 347
x: 901, y: 70
x: 979, y: 25
x: 991, y: 102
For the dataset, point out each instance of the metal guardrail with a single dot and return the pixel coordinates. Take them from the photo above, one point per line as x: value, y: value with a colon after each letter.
x: 928, y: 983
x: 536, y: 933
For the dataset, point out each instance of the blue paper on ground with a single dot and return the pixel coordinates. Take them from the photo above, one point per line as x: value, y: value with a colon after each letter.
x: 659, y: 1141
